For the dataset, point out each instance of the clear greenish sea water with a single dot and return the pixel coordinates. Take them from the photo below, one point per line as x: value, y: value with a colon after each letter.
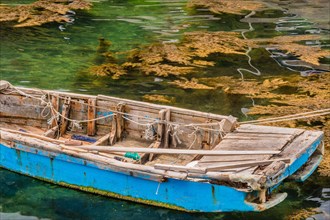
x: 58, y: 56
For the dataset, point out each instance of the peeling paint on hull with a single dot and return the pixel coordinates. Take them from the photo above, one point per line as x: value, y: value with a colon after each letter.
x: 83, y: 175
x: 91, y: 177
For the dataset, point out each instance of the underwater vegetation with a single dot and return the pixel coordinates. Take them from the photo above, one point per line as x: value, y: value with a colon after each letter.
x: 198, y: 65
x: 164, y: 59
x: 159, y: 98
x: 41, y: 12
x: 184, y: 83
x: 194, y: 52
x: 227, y: 6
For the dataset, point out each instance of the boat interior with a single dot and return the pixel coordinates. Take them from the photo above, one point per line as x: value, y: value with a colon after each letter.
x: 75, y: 121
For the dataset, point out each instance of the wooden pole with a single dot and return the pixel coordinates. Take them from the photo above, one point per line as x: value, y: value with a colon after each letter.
x: 56, y: 105
x: 113, y: 132
x: 160, y: 133
x: 33, y: 135
x: 65, y: 113
x: 160, y: 129
x: 91, y: 113
x: 176, y: 151
x: 167, y: 132
x: 120, y: 121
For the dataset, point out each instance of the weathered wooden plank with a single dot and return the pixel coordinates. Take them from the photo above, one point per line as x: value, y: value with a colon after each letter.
x: 120, y: 121
x: 300, y: 144
x: 38, y: 123
x: 260, y: 129
x: 167, y: 129
x: 91, y: 125
x: 145, y: 156
x: 156, y: 145
x: 113, y: 132
x: 20, y: 107
x: 226, y: 160
x: 220, y: 166
x: 62, y: 95
x: 159, y: 107
x: 252, y: 145
x: 41, y: 137
x: 176, y: 151
x: 65, y: 113
x: 52, y: 133
x: 143, y: 116
x: 255, y: 136
x: 160, y: 126
x: 79, y: 109
x: 180, y: 168
x: 103, y: 140
x: 56, y: 105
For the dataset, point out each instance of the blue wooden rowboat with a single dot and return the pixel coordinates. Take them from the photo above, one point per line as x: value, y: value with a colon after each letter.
x: 151, y: 154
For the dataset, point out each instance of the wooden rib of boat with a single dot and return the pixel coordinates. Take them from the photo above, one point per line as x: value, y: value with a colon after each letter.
x: 152, y: 154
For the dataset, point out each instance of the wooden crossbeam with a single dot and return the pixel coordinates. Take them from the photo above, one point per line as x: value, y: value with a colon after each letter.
x: 103, y: 140
x: 52, y: 133
x: 155, y: 146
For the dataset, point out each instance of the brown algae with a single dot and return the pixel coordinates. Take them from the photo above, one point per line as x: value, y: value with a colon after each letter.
x: 41, y: 12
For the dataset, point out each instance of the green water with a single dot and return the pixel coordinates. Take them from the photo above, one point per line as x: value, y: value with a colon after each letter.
x: 58, y: 56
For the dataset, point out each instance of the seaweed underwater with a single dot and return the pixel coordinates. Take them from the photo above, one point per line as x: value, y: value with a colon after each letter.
x: 196, y: 50
x: 41, y: 12
x: 182, y: 64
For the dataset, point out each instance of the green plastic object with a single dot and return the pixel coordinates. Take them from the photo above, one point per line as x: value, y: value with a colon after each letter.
x: 132, y: 155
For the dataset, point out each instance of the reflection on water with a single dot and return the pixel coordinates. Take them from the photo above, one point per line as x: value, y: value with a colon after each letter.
x: 58, y: 56
x: 18, y: 216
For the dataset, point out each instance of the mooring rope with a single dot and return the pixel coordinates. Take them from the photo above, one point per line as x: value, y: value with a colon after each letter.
x: 290, y: 117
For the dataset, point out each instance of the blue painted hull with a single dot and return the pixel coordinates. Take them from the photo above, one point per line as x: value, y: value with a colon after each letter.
x: 89, y: 176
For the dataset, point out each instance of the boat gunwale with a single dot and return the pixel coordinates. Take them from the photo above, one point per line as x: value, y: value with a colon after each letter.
x: 254, y: 181
x: 251, y: 180
x: 99, y: 97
